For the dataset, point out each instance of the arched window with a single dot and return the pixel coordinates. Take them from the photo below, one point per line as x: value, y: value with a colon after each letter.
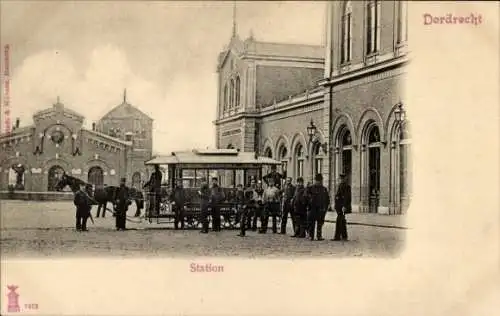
x: 299, y: 156
x: 346, y: 33
x: 372, y: 26
x: 226, y: 98
x: 231, y: 94
x: 402, y: 26
x: 237, y: 92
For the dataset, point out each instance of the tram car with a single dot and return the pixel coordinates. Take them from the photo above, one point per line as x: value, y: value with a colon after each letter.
x: 231, y: 167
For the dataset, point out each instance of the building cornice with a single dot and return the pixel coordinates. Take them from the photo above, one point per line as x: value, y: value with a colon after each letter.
x: 247, y: 56
x: 299, y: 101
x: 361, y: 70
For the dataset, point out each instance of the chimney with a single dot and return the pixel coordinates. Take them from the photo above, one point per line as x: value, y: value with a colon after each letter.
x: 18, y: 121
x: 93, y: 127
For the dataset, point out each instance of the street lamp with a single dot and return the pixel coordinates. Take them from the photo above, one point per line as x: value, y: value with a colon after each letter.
x: 399, y: 113
x: 311, y: 130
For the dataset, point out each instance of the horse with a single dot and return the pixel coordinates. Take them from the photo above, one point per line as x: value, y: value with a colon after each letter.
x: 101, y: 195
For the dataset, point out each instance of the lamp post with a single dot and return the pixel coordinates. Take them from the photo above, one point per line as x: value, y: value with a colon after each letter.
x: 311, y: 131
x: 400, y: 113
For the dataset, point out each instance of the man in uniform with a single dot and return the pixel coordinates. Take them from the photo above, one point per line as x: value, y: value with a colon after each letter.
x: 271, y: 201
x: 178, y: 197
x: 342, y: 206
x: 204, y: 205
x: 246, y: 211
x: 277, y: 177
x: 319, y: 201
x: 300, y: 201
x: 258, y: 195
x: 154, y: 185
x: 83, y: 205
x: 286, y: 206
x: 216, y: 197
x: 122, y: 202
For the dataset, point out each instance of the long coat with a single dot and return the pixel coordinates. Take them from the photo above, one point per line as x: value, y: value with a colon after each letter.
x: 343, y: 198
x: 83, y: 204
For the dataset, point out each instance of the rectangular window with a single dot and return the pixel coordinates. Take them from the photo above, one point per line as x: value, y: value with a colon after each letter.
x: 402, y: 26
x: 373, y: 28
x: 346, y: 38
x: 317, y: 166
x: 300, y: 168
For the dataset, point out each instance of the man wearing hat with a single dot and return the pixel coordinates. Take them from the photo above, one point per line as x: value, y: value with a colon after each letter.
x: 154, y: 185
x: 83, y: 205
x: 122, y: 202
x: 319, y: 201
x: 275, y: 176
x: 342, y: 206
x: 216, y: 197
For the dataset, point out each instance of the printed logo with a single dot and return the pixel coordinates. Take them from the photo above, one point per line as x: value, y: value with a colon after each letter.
x: 13, y: 299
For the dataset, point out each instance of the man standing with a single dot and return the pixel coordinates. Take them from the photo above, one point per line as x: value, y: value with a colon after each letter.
x: 342, y: 207
x: 154, y: 185
x: 277, y: 177
x: 83, y: 206
x: 300, y: 209
x: 246, y: 211
x: 178, y: 197
x: 271, y: 206
x: 122, y: 202
x: 319, y: 201
x: 258, y: 196
x: 204, y: 205
x: 287, y: 207
x: 216, y: 197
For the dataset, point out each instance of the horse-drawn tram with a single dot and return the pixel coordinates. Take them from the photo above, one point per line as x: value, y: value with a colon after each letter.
x: 197, y: 167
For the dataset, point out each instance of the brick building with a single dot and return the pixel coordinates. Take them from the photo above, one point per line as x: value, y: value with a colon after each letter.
x: 33, y: 157
x: 351, y: 90
x: 266, y: 91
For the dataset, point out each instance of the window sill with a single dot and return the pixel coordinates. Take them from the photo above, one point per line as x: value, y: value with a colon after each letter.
x: 371, y: 58
x: 346, y: 66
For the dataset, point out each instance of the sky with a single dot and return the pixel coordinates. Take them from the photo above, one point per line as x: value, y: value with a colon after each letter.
x: 163, y: 53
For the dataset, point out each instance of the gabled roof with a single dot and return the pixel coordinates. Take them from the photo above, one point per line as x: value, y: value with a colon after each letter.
x: 258, y: 48
x: 57, y: 107
x: 125, y: 110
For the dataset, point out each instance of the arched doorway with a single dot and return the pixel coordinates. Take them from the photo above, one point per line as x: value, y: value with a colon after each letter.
x: 136, y: 180
x: 16, y: 176
x: 96, y: 176
x: 343, y: 151
x: 54, y: 175
x: 371, y: 167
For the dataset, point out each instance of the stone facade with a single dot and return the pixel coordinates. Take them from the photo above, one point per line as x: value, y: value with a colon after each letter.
x: 353, y: 101
x: 57, y: 142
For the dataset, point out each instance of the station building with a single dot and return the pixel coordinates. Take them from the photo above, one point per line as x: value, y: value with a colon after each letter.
x: 351, y: 91
x: 32, y: 158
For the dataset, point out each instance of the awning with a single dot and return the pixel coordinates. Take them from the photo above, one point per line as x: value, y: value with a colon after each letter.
x: 213, y: 159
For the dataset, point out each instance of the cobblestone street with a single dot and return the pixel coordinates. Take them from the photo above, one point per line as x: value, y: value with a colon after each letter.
x: 39, y: 229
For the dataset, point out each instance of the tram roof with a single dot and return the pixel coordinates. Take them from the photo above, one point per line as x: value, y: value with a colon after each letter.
x: 215, y: 158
